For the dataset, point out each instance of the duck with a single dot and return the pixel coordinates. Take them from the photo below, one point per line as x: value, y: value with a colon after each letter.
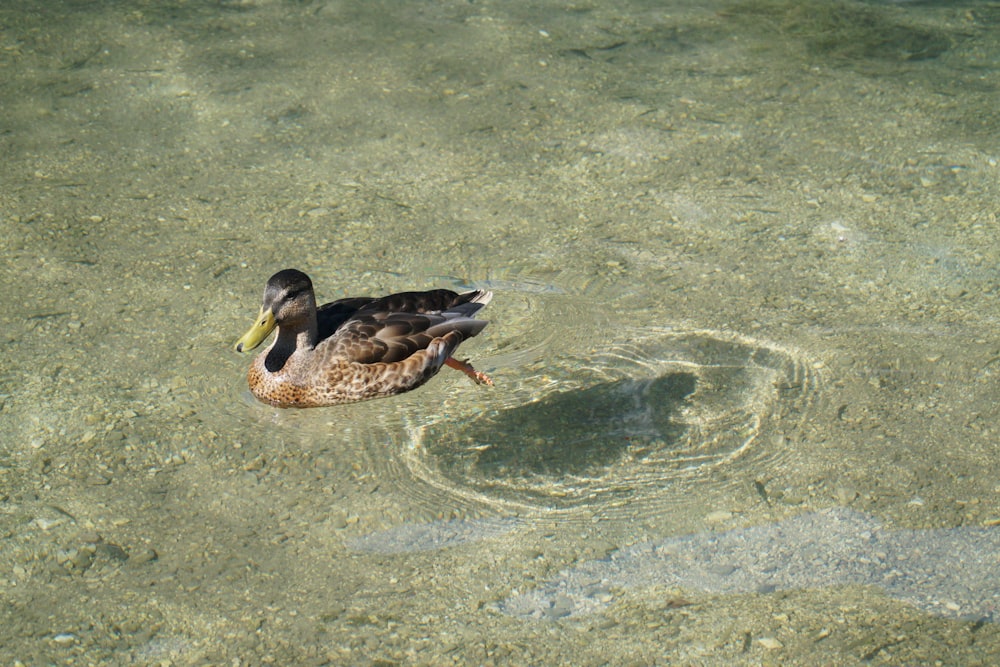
x: 356, y: 348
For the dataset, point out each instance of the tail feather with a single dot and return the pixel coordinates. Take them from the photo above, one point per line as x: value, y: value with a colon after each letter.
x: 468, y: 304
x: 466, y: 326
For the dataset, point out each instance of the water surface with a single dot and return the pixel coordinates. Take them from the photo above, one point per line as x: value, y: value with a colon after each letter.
x: 744, y: 256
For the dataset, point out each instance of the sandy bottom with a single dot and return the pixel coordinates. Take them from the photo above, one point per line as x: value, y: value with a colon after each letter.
x: 744, y: 333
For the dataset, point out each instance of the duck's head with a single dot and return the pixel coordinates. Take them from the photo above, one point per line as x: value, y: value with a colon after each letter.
x: 288, y: 302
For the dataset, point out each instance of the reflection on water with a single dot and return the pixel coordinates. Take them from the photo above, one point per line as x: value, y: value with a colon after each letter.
x: 951, y: 572
x: 948, y: 572
x: 432, y: 536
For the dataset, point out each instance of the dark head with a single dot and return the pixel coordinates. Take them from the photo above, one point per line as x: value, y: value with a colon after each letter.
x: 288, y: 301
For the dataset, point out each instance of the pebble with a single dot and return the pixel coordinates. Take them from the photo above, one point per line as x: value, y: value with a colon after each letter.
x: 112, y: 551
x: 845, y: 495
x: 770, y: 643
x: 793, y: 498
x: 561, y: 607
x: 257, y: 463
x: 144, y: 555
x: 719, y: 516
x: 98, y: 480
x: 83, y: 558
x: 64, y: 639
x: 48, y: 524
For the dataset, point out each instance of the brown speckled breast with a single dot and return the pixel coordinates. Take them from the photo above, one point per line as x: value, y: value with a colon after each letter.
x: 346, y: 381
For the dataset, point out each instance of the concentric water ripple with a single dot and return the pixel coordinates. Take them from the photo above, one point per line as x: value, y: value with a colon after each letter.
x: 615, y: 423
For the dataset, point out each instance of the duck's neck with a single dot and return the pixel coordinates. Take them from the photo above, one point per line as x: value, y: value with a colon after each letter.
x: 302, y: 337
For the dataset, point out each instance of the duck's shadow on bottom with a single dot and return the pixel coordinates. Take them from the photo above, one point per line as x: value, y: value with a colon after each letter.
x: 577, y: 433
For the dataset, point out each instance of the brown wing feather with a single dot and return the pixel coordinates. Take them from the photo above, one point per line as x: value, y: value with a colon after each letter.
x: 331, y: 315
x: 419, y: 302
x: 393, y: 328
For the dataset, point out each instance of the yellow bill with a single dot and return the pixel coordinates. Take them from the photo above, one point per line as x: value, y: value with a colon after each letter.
x: 261, y: 329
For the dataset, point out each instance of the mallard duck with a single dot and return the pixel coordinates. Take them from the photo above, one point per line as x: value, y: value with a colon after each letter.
x: 355, y: 348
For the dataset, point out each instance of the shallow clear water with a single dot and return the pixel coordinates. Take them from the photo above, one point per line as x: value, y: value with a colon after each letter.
x: 744, y: 333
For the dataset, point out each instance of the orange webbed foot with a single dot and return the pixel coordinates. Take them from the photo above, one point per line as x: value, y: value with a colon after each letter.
x: 477, y: 376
